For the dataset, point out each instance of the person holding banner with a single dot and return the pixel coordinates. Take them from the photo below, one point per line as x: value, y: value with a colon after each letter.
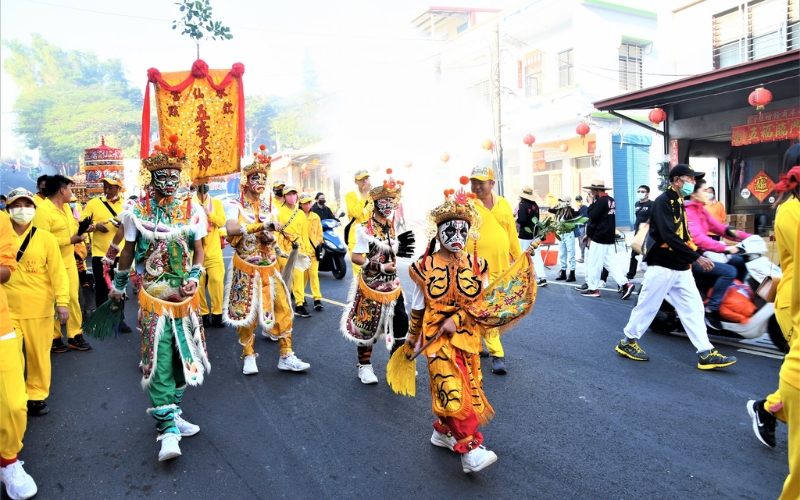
x: 214, y: 277
x: 255, y: 293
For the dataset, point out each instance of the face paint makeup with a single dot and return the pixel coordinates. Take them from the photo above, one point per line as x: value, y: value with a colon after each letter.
x: 166, y: 181
x: 453, y: 235
x: 257, y: 183
x: 385, y: 207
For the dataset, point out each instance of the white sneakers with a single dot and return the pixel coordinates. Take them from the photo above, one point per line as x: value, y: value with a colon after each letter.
x: 272, y: 337
x: 443, y: 440
x: 19, y: 485
x: 250, y: 367
x: 186, y: 428
x: 477, y: 459
x: 169, y: 446
x: 366, y: 374
x: 290, y: 362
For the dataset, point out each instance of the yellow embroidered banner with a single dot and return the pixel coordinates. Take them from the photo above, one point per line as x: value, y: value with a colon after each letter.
x: 205, y: 109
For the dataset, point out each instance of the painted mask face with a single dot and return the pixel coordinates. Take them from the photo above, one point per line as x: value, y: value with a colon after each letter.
x: 453, y: 235
x: 385, y: 206
x: 166, y: 181
x: 257, y: 183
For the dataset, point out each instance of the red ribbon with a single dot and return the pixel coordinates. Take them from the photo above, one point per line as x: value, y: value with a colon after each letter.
x: 788, y: 181
x: 199, y: 70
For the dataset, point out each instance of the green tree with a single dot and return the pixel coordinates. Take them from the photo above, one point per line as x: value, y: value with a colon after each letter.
x: 68, y: 99
x: 259, y: 111
x: 296, y: 122
x: 197, y: 23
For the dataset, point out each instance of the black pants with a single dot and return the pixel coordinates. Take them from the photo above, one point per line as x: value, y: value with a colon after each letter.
x: 634, y: 265
x: 100, y: 287
x: 400, y: 326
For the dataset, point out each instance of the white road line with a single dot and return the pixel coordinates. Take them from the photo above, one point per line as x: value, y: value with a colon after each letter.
x: 759, y: 353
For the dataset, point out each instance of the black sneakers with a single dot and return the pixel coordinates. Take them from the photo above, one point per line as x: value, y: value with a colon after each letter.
x: 498, y: 365
x: 585, y: 286
x: 206, y: 320
x: 37, y: 408
x: 714, y: 360
x: 302, y: 311
x: 713, y: 320
x: 58, y: 346
x: 763, y: 422
x: 562, y: 275
x: 541, y: 282
x: 631, y: 349
x: 124, y: 328
x: 571, y: 277
x: 216, y: 321
x: 79, y: 343
x: 318, y: 305
x: 627, y: 290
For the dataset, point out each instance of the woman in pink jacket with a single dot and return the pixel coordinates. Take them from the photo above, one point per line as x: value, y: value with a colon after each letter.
x: 701, y: 226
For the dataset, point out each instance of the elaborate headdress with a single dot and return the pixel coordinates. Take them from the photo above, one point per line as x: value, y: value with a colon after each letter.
x: 170, y: 156
x: 390, y: 189
x: 457, y: 205
x: 261, y: 165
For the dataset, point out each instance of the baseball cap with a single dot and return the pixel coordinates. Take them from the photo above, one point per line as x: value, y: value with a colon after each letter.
x: 685, y: 169
x: 289, y: 189
x: 579, y: 198
x: 566, y: 199
x: 278, y: 183
x: 482, y: 173
x: 18, y: 193
x: 305, y: 197
x: 360, y: 174
x: 113, y: 178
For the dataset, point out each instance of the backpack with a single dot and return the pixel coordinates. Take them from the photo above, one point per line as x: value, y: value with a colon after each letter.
x: 737, y: 304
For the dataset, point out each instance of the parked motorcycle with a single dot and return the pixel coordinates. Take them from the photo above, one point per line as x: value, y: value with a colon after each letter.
x: 332, y: 253
x: 759, y: 267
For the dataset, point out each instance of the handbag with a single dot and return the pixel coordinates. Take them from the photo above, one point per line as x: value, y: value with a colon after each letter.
x: 769, y: 286
x: 639, y: 237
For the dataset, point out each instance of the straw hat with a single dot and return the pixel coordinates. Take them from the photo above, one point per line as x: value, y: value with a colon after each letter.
x: 527, y: 193
x: 597, y: 184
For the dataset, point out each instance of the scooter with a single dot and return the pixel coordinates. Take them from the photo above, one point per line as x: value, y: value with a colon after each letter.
x: 763, y: 320
x: 332, y: 252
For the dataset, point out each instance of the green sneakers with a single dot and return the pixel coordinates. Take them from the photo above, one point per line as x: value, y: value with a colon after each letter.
x: 632, y: 350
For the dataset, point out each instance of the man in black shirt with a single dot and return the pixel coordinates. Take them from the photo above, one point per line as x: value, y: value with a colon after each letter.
x: 642, y: 210
x: 669, y: 253
x: 527, y: 214
x: 321, y: 209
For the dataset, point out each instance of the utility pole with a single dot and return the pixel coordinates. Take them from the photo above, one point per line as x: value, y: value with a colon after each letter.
x: 496, y: 107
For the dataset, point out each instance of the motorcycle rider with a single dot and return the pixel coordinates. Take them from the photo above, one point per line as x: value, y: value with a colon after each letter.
x: 701, y: 223
x: 321, y: 209
x: 669, y: 253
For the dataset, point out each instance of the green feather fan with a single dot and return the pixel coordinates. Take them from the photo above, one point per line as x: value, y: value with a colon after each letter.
x: 105, y: 321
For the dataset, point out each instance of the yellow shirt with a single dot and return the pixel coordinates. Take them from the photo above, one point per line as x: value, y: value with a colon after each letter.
x: 98, y: 211
x: 358, y: 209
x: 314, y: 231
x: 61, y: 224
x: 215, y: 213
x: 296, y: 230
x: 37, y: 200
x: 787, y: 220
x: 499, y: 243
x: 40, y: 280
x: 8, y: 259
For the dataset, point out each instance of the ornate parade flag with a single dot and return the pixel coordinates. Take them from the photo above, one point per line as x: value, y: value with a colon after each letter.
x: 205, y: 109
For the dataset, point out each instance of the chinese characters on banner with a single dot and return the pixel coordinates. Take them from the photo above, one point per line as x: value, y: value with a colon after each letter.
x: 766, y: 127
x: 673, y: 152
x: 761, y: 186
x: 539, y: 162
x: 205, y: 109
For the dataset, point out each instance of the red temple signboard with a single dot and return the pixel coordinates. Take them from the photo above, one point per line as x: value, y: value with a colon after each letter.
x: 760, y: 186
x: 768, y: 126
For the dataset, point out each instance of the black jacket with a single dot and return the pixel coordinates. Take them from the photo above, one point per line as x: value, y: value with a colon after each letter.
x: 526, y: 212
x: 642, y: 210
x: 667, y: 243
x: 324, y: 212
x: 602, y: 226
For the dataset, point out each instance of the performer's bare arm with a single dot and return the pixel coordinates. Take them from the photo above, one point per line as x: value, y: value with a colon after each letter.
x: 126, y: 255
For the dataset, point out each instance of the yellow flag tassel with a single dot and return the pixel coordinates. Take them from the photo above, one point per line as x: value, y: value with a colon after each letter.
x: 401, y: 374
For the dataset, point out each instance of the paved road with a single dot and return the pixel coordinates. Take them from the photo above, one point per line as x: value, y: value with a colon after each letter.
x: 574, y: 420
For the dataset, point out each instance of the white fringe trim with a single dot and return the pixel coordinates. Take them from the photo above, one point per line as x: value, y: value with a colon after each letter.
x: 197, y: 224
x: 385, y: 322
x: 256, y: 305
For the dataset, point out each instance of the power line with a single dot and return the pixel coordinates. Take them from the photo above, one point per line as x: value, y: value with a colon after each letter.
x: 293, y: 32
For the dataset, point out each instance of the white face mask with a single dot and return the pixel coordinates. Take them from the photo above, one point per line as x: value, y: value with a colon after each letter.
x: 710, y: 196
x: 22, y: 215
x: 641, y: 196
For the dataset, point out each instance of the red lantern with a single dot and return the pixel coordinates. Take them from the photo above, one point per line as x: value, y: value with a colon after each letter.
x: 759, y: 98
x: 408, y: 164
x: 564, y: 148
x: 529, y: 140
x: 657, y: 116
x: 487, y: 145
x: 444, y: 157
x: 582, y: 129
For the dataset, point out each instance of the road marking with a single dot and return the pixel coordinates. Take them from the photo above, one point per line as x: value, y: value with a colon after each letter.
x: 572, y: 284
x: 759, y: 353
x: 329, y: 301
x: 717, y: 340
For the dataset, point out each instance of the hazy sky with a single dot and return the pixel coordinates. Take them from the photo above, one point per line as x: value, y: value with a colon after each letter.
x: 348, y: 40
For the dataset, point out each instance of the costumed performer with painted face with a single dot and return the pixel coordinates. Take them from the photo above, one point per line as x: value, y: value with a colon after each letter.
x: 375, y: 304
x: 164, y: 236
x: 255, y: 292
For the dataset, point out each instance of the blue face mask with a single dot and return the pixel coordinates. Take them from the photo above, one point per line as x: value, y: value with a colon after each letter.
x: 641, y: 196
x: 710, y: 196
x: 2, y: 205
x: 687, y: 189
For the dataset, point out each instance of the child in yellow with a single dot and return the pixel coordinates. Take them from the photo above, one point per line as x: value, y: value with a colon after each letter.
x: 358, y: 210
x: 39, y: 282
x: 214, y: 277
x: 293, y: 221
x: 13, y: 420
x: 52, y: 217
x: 314, y: 231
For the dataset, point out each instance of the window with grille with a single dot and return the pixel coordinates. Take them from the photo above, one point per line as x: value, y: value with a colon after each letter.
x: 756, y: 29
x: 630, y: 66
x: 481, y: 92
x: 565, y: 75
